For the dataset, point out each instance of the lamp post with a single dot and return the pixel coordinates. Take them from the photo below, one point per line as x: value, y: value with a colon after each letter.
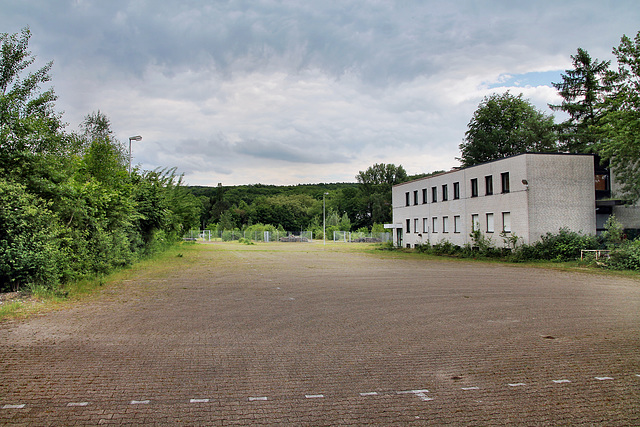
x: 324, y: 228
x: 132, y: 138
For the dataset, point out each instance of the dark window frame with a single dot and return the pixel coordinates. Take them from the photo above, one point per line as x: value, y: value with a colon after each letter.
x: 474, y: 187
x: 488, y: 185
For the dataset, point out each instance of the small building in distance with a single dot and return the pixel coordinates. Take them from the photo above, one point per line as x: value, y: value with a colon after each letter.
x: 526, y: 195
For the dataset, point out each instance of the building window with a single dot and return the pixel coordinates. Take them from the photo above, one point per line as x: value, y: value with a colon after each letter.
x: 407, y: 199
x: 415, y: 225
x: 504, y: 179
x: 456, y: 190
x: 424, y: 195
x: 490, y: 228
x: 445, y: 193
x: 474, y: 188
x: 488, y: 185
x: 434, y: 194
x: 425, y: 225
x: 415, y: 197
x: 475, y: 222
x: 445, y: 224
x: 506, y: 222
x: 434, y: 224
x: 408, y: 225
x: 456, y: 224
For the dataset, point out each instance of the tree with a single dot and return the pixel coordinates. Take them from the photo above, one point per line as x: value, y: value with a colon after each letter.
x: 583, y: 89
x: 375, y: 184
x: 27, y: 121
x: 620, y: 124
x: 505, y: 125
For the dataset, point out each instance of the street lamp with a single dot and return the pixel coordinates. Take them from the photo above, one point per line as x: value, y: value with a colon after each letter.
x: 132, y: 138
x: 324, y: 228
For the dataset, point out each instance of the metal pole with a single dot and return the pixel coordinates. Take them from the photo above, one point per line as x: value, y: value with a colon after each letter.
x: 324, y: 227
x: 132, y: 138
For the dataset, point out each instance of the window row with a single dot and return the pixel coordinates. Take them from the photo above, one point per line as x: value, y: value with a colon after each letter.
x: 442, y: 224
x: 444, y: 190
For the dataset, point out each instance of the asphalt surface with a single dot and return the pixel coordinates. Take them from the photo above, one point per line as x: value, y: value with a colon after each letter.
x: 302, y: 334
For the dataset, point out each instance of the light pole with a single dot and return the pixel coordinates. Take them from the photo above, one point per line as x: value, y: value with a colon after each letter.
x: 132, y: 138
x: 324, y: 228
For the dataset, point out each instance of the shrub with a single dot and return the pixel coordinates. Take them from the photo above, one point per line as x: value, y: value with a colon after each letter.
x: 445, y: 247
x: 563, y: 246
x: 626, y: 256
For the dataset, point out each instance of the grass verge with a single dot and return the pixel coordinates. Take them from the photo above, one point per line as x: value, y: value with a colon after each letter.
x: 39, y: 299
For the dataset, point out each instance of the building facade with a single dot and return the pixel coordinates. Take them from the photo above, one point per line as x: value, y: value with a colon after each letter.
x: 527, y: 195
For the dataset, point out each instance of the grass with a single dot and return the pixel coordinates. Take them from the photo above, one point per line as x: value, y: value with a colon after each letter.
x: 39, y: 299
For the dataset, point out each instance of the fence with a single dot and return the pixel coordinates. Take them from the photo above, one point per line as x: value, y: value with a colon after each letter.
x: 258, y: 236
x: 359, y: 237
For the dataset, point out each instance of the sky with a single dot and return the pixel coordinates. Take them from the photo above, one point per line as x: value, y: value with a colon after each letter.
x: 295, y: 92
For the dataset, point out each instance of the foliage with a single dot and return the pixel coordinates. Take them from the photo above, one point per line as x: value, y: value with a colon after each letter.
x: 613, y: 233
x: 582, y: 90
x: 562, y: 246
x: 505, y: 125
x: 626, y: 256
x: 375, y: 185
x: 619, y: 127
x: 68, y: 206
x: 31, y: 245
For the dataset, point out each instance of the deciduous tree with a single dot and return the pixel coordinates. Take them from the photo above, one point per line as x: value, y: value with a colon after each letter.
x: 505, y: 125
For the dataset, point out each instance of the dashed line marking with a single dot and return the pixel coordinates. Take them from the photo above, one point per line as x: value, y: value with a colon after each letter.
x: 604, y: 378
x: 18, y: 406
x: 77, y: 403
x: 421, y: 394
x: 471, y: 388
x: 257, y: 399
x: 561, y: 381
x: 517, y: 384
x: 140, y: 402
x: 199, y: 401
x: 369, y: 393
x: 314, y: 396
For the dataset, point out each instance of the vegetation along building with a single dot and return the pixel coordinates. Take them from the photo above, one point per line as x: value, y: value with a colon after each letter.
x: 526, y: 195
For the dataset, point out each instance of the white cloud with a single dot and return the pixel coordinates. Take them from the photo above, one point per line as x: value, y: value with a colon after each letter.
x: 283, y: 93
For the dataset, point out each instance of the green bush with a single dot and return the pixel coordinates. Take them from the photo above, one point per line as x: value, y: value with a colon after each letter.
x: 626, y: 256
x: 562, y: 246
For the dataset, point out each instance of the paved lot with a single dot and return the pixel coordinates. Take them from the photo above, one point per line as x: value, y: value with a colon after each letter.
x: 302, y: 335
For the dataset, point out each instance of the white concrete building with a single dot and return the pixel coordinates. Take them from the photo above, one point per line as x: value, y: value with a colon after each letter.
x: 527, y: 195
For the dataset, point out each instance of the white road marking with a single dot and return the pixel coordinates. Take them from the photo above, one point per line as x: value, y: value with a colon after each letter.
x: 314, y: 396
x: 199, y: 401
x: 140, y: 402
x: 471, y: 388
x: 561, y: 381
x: 260, y: 398
x: 20, y: 406
x: 370, y: 393
x: 603, y: 378
x: 77, y: 403
x: 421, y: 394
x: 516, y: 384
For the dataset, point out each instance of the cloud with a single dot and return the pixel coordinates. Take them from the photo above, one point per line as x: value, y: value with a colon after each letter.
x: 285, y: 92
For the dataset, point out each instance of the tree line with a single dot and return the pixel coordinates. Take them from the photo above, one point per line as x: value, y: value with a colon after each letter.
x: 364, y: 205
x: 69, y: 208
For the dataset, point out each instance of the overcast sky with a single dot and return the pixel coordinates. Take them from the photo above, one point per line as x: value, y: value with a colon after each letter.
x: 288, y: 92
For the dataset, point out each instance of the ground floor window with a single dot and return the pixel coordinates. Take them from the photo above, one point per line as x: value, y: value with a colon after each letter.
x: 425, y: 225
x: 506, y: 222
x: 434, y: 224
x: 445, y: 224
x: 408, y: 226
x: 415, y: 225
x: 456, y: 224
x: 490, y: 228
x: 475, y: 222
